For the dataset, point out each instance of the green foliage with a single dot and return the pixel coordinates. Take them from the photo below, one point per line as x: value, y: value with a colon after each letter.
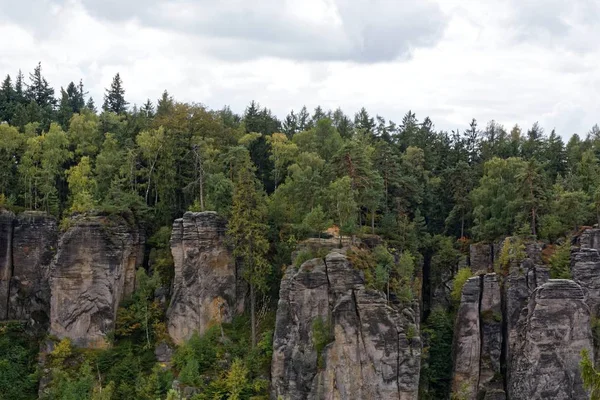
x: 316, y: 220
x: 342, y: 205
x: 445, y: 259
x: 82, y: 186
x: 141, y: 317
x: 18, y: 363
x: 460, y: 279
x: 560, y: 262
x: 308, y: 254
x: 436, y: 376
x: 322, y: 335
x: 496, y: 200
x: 512, y: 253
x: 160, y: 256
x: 591, y: 377
x: 227, y: 367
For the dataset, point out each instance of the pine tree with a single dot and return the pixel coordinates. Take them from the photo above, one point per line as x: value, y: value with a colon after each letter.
x: 19, y: 89
x: 40, y: 93
x: 165, y: 104
x: 247, y: 232
x: 147, y: 109
x: 90, y: 105
x: 7, y: 100
x: 39, y: 90
x: 114, y: 99
x: 65, y: 110
x: 75, y: 96
x: 362, y: 120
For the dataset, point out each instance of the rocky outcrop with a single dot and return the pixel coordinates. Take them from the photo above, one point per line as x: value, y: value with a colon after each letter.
x: 335, y: 339
x: 6, y: 229
x: 490, y: 313
x: 467, y: 341
x: 481, y: 257
x: 478, y: 339
x: 90, y: 274
x: 208, y: 288
x: 35, y: 238
x: 552, y: 331
x: 27, y: 243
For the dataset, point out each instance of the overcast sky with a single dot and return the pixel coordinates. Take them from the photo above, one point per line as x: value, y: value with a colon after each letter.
x: 515, y: 61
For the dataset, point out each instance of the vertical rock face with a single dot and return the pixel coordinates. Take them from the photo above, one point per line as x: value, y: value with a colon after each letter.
x: 481, y: 257
x: 490, y: 312
x: 207, y: 286
x: 553, y: 330
x: 585, y: 267
x: 520, y: 335
x: 89, y: 276
x: 478, y: 339
x: 467, y: 342
x: 6, y: 228
x: 334, y: 339
x: 35, y: 238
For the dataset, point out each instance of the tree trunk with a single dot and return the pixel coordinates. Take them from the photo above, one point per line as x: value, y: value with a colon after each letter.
x: 462, y: 224
x: 253, y: 314
x: 373, y: 222
x: 533, y: 222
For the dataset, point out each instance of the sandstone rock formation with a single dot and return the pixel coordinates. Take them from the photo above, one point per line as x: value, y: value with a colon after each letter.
x: 6, y: 229
x: 467, y: 341
x: 523, y: 332
x: 27, y: 243
x: 90, y: 274
x: 553, y: 329
x: 208, y: 287
x: 481, y: 257
x: 35, y: 238
x: 335, y: 339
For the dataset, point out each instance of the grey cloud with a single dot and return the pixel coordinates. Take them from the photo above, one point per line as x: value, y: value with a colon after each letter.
x: 557, y: 23
x: 369, y: 30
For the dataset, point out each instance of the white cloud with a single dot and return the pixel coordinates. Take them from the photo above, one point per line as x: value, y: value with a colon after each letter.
x: 452, y: 60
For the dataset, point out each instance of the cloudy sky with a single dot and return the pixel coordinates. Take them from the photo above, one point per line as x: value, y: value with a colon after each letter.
x: 515, y: 61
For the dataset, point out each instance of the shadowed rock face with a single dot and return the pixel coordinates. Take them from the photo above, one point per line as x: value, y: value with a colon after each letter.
x: 6, y: 228
x: 27, y: 243
x: 90, y: 274
x: 207, y: 287
x: 552, y: 331
x: 371, y: 350
x: 35, y: 238
x: 467, y: 341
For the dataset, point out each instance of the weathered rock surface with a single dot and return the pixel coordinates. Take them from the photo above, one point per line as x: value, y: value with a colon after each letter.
x: 552, y: 331
x: 490, y: 312
x: 6, y: 228
x: 208, y: 287
x: 481, y: 257
x: 35, y: 238
x: 90, y: 274
x: 371, y: 349
x: 585, y: 268
x: 467, y: 341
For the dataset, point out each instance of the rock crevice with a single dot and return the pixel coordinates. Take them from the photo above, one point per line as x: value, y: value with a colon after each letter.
x: 373, y: 348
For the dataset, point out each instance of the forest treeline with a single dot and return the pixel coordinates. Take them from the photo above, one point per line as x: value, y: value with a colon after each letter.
x: 427, y: 192
x: 364, y: 173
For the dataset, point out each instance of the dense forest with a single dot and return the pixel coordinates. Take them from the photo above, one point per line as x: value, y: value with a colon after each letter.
x: 428, y: 193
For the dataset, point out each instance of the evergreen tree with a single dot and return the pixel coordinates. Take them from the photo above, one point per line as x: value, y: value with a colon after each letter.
x: 114, y: 98
x: 90, y: 105
x: 247, y: 232
x: 362, y: 120
x: 7, y: 100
